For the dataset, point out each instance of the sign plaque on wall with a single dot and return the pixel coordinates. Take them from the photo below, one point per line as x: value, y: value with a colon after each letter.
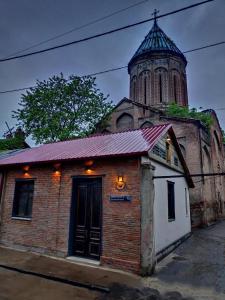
x: 120, y: 198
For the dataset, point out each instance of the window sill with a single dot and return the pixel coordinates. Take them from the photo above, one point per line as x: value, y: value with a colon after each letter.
x: 21, y: 218
x: 171, y: 220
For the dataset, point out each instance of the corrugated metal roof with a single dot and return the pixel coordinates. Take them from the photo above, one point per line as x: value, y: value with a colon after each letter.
x: 10, y: 153
x: 156, y: 40
x: 116, y: 144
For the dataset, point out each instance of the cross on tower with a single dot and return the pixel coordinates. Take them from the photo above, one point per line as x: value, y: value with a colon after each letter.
x: 155, y: 15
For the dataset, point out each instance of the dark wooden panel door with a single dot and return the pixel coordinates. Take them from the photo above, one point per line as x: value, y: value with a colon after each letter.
x: 87, y: 217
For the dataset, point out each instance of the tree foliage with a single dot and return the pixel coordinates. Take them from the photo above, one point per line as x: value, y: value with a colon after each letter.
x: 60, y: 109
x: 223, y: 136
x: 11, y: 143
x: 175, y: 110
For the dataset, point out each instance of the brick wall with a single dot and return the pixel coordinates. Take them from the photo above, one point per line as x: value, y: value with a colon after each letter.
x: 48, y: 231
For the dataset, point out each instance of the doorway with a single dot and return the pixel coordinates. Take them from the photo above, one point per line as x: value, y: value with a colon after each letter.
x: 86, y: 218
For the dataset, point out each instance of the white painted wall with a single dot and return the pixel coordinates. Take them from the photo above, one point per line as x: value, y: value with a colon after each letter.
x: 167, y: 232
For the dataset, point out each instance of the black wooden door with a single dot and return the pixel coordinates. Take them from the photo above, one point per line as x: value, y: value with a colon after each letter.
x: 87, y: 217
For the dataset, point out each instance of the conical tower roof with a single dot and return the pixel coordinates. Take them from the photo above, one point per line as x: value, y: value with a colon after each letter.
x: 156, y: 41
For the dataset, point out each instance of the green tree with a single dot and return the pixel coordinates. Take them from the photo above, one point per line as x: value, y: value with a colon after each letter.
x: 60, y: 109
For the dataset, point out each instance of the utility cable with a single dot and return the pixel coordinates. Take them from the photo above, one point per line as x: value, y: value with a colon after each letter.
x: 104, y: 33
x: 77, y: 28
x: 119, y: 68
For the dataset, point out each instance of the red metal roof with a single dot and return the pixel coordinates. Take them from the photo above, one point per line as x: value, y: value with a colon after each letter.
x: 131, y: 142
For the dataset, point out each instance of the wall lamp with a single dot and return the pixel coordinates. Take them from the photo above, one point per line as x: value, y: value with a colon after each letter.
x: 89, y: 166
x: 120, y: 184
x: 57, y: 169
x: 26, y: 170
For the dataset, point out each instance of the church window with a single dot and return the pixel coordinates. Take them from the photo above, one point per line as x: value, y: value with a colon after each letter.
x: 133, y: 88
x: 175, y: 88
x: 160, y: 88
x: 145, y: 90
x: 125, y: 121
x: 161, y: 85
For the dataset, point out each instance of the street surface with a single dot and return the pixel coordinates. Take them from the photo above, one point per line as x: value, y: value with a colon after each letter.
x: 194, y: 271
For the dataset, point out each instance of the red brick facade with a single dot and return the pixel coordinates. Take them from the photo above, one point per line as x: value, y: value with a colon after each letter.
x: 48, y: 230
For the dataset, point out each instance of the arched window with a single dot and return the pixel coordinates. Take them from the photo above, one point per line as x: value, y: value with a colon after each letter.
x: 125, y: 121
x: 161, y: 89
x: 133, y: 88
x: 144, y: 87
x: 145, y: 90
x: 176, y: 86
x: 147, y: 124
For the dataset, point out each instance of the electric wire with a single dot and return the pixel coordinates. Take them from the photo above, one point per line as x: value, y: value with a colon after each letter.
x: 76, y: 28
x: 119, y: 68
x: 103, y: 33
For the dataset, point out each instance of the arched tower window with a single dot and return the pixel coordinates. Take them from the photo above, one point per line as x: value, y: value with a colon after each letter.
x: 145, y: 90
x: 161, y: 86
x: 133, y: 88
x: 175, y: 88
x: 144, y: 87
x: 160, y: 89
x: 125, y: 121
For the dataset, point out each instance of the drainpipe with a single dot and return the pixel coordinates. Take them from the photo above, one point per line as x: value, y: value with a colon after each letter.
x: 147, y: 217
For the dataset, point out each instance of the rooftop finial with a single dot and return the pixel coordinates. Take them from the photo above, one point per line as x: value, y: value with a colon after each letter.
x: 155, y: 15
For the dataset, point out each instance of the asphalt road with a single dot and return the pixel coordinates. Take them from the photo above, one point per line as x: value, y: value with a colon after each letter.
x: 197, y: 267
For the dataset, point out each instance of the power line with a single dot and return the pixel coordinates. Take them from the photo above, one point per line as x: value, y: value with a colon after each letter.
x: 77, y: 28
x: 119, y: 68
x: 204, y: 47
x: 103, y: 33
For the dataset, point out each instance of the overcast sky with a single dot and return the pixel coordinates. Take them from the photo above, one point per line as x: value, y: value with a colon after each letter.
x: 26, y: 22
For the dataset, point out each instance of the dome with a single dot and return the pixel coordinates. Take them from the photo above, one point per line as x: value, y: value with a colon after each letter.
x: 156, y: 41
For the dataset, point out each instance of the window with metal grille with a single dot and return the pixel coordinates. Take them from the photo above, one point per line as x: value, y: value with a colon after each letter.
x: 171, y: 201
x: 23, y: 199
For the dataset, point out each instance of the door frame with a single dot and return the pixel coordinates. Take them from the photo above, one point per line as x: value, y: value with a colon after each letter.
x: 71, y: 240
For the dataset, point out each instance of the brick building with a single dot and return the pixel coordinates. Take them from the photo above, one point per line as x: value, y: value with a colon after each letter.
x: 94, y: 198
x: 158, y: 77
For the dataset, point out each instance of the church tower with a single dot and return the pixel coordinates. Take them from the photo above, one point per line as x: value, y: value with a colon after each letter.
x: 157, y: 71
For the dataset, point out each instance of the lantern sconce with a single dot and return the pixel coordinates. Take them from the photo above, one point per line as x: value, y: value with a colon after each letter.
x: 57, y: 169
x: 26, y: 170
x: 120, y: 185
x: 89, y: 166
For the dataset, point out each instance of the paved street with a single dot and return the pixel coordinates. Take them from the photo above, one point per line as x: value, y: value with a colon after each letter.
x: 197, y: 267
x: 196, y: 270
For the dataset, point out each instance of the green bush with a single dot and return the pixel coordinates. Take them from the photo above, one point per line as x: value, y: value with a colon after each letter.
x: 175, y: 110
